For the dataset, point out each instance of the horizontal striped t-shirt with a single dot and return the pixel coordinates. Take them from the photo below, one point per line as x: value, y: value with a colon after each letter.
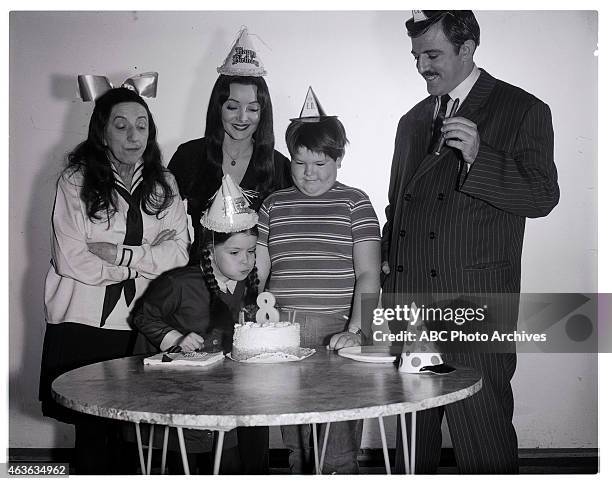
x: 310, y: 241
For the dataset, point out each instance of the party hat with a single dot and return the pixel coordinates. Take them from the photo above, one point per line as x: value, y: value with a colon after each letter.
x: 312, y: 111
x: 422, y: 19
x: 418, y: 16
x: 421, y: 356
x: 242, y: 59
x: 230, y: 210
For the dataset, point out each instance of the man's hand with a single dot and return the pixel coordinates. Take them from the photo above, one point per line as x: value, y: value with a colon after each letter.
x: 344, y: 340
x: 461, y: 133
x: 385, y: 269
x: 104, y: 250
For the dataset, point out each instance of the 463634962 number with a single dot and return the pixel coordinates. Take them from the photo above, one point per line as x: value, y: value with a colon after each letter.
x: 36, y: 469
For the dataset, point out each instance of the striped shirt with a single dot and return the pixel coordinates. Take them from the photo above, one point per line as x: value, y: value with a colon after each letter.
x: 310, y: 241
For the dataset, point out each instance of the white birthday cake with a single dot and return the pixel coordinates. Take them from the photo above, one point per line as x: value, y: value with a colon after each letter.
x: 253, y: 339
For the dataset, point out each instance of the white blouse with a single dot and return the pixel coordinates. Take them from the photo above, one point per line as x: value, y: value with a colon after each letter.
x: 77, y: 280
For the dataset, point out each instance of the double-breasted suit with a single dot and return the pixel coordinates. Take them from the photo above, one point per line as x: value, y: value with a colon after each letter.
x: 450, y: 229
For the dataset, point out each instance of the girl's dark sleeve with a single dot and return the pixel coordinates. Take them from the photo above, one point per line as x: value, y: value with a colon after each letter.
x: 153, y: 317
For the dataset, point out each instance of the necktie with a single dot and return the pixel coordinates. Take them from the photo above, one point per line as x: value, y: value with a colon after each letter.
x: 133, y: 236
x: 437, y: 124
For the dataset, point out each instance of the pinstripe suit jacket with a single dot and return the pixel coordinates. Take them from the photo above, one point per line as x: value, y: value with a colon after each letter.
x: 450, y: 230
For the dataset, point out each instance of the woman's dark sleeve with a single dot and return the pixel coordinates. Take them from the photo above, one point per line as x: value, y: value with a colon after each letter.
x: 282, y: 171
x: 189, y: 167
x: 179, y: 167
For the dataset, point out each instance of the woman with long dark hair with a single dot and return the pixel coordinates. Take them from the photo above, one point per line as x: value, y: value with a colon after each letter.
x: 238, y: 140
x: 118, y: 222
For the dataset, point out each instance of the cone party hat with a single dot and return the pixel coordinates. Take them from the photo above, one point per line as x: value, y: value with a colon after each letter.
x: 242, y: 59
x: 229, y: 211
x: 312, y: 111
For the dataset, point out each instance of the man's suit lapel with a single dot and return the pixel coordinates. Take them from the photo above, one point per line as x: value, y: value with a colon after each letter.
x: 477, y: 96
x: 470, y: 109
x: 420, y: 136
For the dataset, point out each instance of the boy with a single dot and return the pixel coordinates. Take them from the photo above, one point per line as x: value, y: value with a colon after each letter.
x: 320, y: 243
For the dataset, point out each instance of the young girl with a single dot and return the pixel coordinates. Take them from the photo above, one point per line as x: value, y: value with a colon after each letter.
x: 195, y: 308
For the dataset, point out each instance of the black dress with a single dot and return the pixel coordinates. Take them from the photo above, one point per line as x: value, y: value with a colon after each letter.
x: 199, y: 179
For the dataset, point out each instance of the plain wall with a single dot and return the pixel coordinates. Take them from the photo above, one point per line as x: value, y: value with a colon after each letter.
x: 360, y: 66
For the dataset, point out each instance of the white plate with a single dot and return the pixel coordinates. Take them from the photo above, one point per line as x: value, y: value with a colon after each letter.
x: 368, y: 354
x: 277, y: 357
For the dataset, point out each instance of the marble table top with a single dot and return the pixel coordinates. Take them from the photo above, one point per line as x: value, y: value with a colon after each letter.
x: 322, y: 388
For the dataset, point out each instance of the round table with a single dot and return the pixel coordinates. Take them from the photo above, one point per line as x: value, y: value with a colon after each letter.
x: 322, y: 388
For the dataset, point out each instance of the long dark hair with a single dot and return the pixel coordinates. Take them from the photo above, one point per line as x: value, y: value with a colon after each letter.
x: 263, y: 139
x: 91, y: 158
x: 220, y: 315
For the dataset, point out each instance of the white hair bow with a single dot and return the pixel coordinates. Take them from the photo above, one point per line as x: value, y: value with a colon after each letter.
x: 92, y: 87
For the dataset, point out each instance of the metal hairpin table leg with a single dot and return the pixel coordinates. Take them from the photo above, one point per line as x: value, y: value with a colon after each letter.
x: 218, y: 452
x: 143, y: 469
x: 181, y: 440
x: 150, y: 450
x: 164, y: 450
x: 413, y: 444
x: 383, y: 438
x: 324, y: 447
x: 407, y: 463
x: 316, y: 448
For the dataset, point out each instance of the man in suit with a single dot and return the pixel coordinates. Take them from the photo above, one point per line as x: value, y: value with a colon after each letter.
x: 456, y: 219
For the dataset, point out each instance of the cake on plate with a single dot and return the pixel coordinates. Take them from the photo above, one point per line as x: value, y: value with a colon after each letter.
x: 254, y: 339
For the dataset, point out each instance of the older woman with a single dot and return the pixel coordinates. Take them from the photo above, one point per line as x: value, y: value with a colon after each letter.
x: 238, y: 140
x: 118, y: 222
